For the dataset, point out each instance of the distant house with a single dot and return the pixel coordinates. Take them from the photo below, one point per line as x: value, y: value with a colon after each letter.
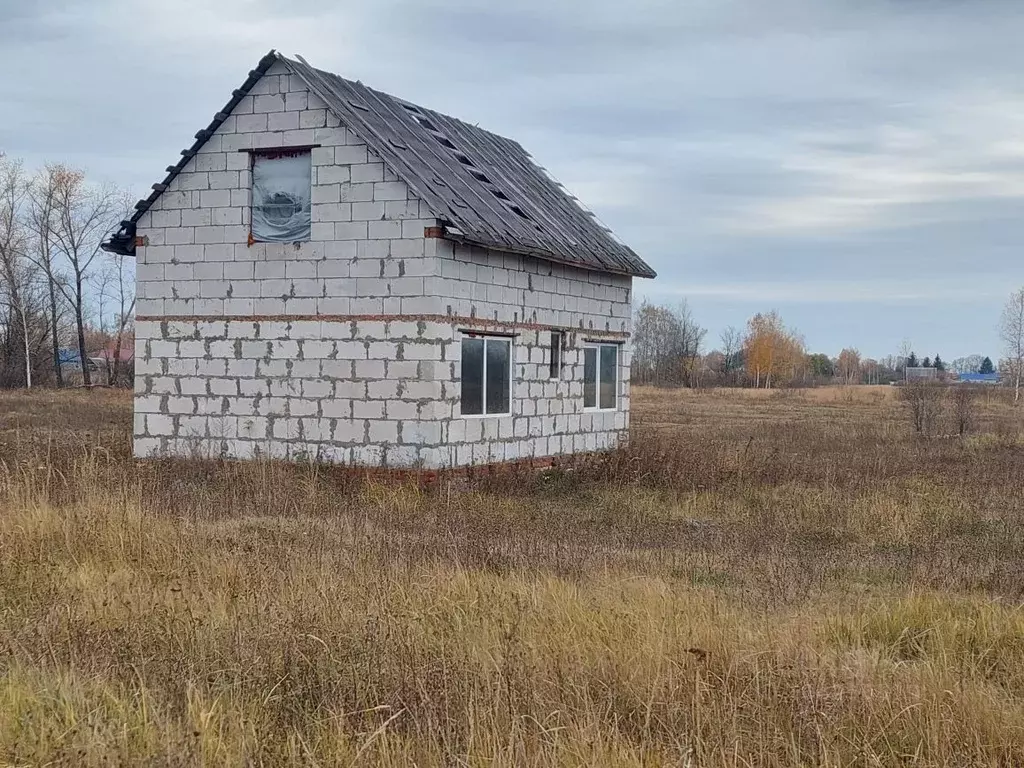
x: 71, y: 364
x: 125, y: 355
x: 330, y: 271
x: 921, y: 373
x: 100, y: 362
x: 978, y: 378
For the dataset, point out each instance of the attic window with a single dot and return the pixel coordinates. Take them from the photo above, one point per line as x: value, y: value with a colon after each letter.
x: 519, y: 212
x: 499, y: 194
x: 281, y: 192
x: 479, y: 176
x: 463, y: 159
x: 426, y: 124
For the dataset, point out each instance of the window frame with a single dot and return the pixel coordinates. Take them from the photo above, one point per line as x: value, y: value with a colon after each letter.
x: 556, y: 363
x: 597, y: 346
x: 271, y: 153
x: 487, y: 337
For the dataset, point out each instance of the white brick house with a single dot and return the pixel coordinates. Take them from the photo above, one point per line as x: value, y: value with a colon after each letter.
x: 332, y: 272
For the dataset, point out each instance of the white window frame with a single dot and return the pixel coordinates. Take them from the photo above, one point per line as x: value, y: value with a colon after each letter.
x: 597, y: 347
x: 485, y: 337
x: 556, y: 359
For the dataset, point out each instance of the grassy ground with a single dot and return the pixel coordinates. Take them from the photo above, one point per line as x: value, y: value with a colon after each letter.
x: 761, y: 579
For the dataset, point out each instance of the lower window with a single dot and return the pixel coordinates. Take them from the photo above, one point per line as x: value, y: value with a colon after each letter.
x: 600, y: 376
x: 486, y: 376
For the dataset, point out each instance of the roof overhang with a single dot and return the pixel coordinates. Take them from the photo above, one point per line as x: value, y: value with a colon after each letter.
x: 456, y: 235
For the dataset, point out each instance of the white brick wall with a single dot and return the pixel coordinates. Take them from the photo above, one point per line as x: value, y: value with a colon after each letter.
x: 477, y: 282
x: 289, y: 389
x: 505, y: 290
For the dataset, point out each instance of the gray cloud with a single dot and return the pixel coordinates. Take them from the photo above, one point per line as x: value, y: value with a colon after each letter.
x: 858, y: 165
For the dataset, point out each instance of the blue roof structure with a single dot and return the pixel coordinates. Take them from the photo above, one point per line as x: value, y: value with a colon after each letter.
x: 68, y: 356
x: 979, y: 378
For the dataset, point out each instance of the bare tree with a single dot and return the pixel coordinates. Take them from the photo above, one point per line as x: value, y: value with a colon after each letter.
x: 120, y: 283
x: 848, y: 365
x: 41, y: 218
x: 732, y: 343
x: 968, y: 364
x: 13, y: 244
x: 1011, y: 331
x: 964, y: 398
x: 906, y: 350
x: 84, y: 215
x: 924, y: 404
x: 666, y: 345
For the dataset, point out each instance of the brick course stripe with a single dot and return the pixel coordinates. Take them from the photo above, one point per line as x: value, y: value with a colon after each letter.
x: 475, y: 322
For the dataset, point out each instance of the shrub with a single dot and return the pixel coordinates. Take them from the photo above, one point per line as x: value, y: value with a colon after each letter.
x: 924, y: 401
x: 964, y: 400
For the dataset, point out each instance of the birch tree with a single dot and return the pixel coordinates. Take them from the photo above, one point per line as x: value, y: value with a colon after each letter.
x: 13, y: 244
x: 84, y: 215
x: 41, y: 218
x: 1011, y: 331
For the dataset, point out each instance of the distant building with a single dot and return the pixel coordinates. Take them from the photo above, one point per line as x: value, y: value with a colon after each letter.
x: 921, y: 373
x: 978, y: 378
x: 125, y: 355
x: 71, y: 365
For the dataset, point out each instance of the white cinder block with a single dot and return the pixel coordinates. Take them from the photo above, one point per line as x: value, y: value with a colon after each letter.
x: 283, y: 121
x: 312, y: 118
x: 254, y: 123
x: 383, y: 431
x: 379, y: 230
x: 349, y: 155
x: 357, y: 192
x: 350, y: 230
x: 390, y: 190
x: 332, y: 174
x: 269, y: 103
x: 332, y: 212
x: 365, y: 172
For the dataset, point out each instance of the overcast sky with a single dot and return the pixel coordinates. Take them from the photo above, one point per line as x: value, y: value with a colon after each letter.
x: 856, y: 164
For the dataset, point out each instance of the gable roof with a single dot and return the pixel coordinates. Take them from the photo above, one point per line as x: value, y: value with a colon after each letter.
x: 485, y: 188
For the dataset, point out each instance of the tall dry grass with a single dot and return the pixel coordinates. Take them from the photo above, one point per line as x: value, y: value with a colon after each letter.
x: 754, y: 582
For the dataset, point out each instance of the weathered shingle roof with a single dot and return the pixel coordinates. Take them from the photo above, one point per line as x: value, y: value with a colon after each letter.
x: 484, y: 187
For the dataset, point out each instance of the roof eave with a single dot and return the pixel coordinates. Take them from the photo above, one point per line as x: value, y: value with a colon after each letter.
x: 457, y: 237
x: 121, y: 242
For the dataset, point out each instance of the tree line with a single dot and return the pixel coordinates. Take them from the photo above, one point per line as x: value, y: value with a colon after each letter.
x: 668, y: 350
x: 63, y: 300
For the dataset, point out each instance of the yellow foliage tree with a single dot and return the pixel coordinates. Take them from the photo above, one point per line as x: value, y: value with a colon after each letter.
x: 772, y: 353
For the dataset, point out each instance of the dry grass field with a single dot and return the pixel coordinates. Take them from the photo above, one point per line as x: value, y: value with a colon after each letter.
x: 760, y: 579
